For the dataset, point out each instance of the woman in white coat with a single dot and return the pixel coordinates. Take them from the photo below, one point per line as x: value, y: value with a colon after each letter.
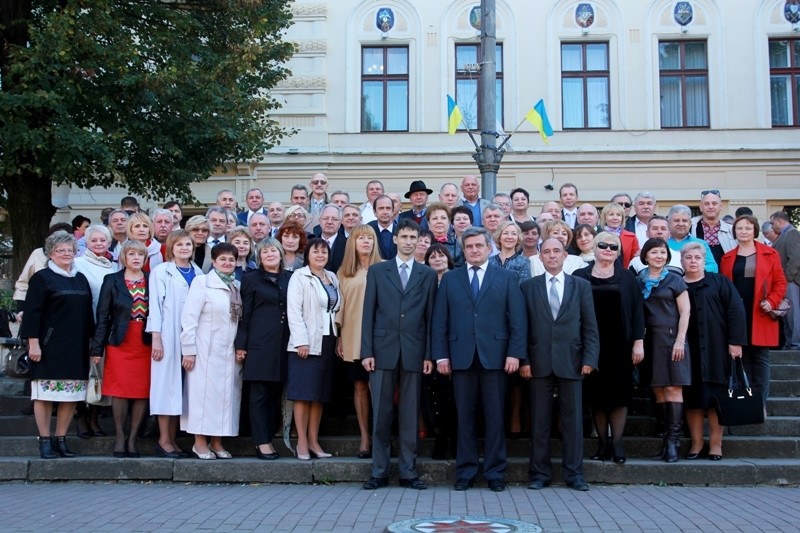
x: 169, y: 286
x: 311, y: 304
x: 213, y: 392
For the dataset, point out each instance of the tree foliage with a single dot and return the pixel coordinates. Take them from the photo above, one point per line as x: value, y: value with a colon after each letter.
x: 151, y: 95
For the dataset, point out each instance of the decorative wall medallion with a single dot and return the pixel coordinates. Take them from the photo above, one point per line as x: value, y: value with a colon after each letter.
x: 584, y: 15
x: 791, y: 10
x: 384, y: 20
x: 475, y: 17
x: 684, y: 13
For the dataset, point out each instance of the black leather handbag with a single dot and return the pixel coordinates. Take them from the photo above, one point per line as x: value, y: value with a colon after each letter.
x: 17, y: 364
x: 739, y: 406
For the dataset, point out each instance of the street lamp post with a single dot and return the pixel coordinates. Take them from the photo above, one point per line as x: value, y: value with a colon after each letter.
x: 488, y: 158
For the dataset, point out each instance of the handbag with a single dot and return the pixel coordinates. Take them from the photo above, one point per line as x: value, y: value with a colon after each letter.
x: 17, y: 363
x: 94, y: 388
x: 781, y: 310
x: 738, y: 406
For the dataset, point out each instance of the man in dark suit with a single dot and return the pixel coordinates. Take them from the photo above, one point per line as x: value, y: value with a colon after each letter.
x: 418, y: 194
x: 330, y: 229
x: 395, y: 348
x: 478, y: 334
x: 255, y: 204
x: 563, y: 346
x: 384, y: 226
x: 788, y: 246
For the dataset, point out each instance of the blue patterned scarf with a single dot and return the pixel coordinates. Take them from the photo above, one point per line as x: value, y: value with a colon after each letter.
x: 651, y: 283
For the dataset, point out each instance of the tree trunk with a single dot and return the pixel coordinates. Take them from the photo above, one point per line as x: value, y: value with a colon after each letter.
x: 30, y: 210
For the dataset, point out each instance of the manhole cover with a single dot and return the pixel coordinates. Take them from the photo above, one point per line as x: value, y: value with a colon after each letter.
x: 462, y: 524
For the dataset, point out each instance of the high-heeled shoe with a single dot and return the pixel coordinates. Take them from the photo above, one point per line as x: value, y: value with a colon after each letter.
x: 319, y: 455
x: 618, y: 453
x: 602, y: 453
x: 60, y: 447
x: 46, y: 448
x: 303, y: 457
x: 266, y: 456
x: 691, y: 456
x: 221, y: 454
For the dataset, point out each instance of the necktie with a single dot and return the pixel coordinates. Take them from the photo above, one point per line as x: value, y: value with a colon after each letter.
x: 215, y: 241
x: 555, y: 304
x: 404, y: 275
x: 475, y: 285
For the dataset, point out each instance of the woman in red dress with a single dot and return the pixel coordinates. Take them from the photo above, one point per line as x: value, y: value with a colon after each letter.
x: 121, y: 316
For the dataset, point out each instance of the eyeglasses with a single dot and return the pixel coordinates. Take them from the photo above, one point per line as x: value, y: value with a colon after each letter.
x: 710, y: 191
x: 608, y: 246
x: 626, y: 205
x: 297, y: 215
x: 64, y: 251
x: 318, y: 182
x: 199, y: 230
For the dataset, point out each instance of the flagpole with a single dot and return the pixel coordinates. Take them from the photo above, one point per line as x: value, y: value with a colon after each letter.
x: 508, y: 137
x: 487, y: 156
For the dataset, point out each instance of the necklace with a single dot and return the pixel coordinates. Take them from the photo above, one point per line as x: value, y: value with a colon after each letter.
x: 602, y: 273
x: 182, y: 271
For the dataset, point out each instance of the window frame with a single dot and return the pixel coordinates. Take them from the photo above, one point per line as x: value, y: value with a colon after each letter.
x: 682, y: 73
x: 793, y: 73
x: 464, y: 75
x: 385, y: 79
x: 584, y: 75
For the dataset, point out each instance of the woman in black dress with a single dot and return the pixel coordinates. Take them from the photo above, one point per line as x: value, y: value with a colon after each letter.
x: 666, y: 315
x: 58, y: 325
x: 261, y: 340
x: 620, y: 321
x: 717, y: 331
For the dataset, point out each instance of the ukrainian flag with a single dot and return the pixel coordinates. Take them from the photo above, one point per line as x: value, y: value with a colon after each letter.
x: 538, y: 117
x: 454, y: 116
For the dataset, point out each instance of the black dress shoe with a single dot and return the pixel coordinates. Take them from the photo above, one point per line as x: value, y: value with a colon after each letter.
x: 462, y: 483
x: 266, y: 456
x: 692, y: 456
x: 375, y: 483
x: 161, y: 452
x: 120, y: 455
x: 578, y: 484
x: 413, y: 483
x: 85, y: 434
x: 538, y: 484
x: 364, y: 454
x: 714, y: 457
x: 496, y: 485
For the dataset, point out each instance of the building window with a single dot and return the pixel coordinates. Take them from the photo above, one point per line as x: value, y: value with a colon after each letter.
x: 584, y: 86
x: 468, y: 77
x: 784, y: 73
x: 384, y: 88
x: 683, y: 67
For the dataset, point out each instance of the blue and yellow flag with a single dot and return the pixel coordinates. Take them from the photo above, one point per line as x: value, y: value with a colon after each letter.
x: 538, y: 117
x: 454, y: 116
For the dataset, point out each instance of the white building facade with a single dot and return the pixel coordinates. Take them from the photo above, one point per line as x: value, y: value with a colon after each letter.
x: 657, y: 95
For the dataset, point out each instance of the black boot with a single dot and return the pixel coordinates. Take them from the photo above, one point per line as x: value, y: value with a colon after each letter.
x: 674, y: 422
x: 60, y: 446
x: 46, y: 448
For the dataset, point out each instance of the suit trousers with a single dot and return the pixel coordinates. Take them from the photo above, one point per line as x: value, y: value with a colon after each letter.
x: 382, y: 385
x: 570, y: 407
x: 791, y: 322
x: 489, y: 385
x: 265, y: 409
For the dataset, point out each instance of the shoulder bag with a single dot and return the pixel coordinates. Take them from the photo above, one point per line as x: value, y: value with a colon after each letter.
x: 738, y: 406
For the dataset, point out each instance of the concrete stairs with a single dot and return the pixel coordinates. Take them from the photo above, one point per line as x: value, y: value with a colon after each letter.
x: 767, y: 453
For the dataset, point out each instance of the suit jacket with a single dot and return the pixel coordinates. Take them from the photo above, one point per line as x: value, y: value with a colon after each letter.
x: 242, y: 217
x: 494, y: 325
x: 114, y: 313
x: 630, y: 224
x: 395, y: 324
x: 391, y: 251
x: 482, y: 202
x: 561, y: 346
x: 788, y: 246
x: 410, y: 214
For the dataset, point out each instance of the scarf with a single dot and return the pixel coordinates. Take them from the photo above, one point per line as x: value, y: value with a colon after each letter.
x: 102, y: 261
x: 650, y: 283
x: 616, y: 231
x: 60, y: 271
x: 236, y: 297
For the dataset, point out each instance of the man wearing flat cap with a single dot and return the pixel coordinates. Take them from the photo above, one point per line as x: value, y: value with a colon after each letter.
x: 418, y: 194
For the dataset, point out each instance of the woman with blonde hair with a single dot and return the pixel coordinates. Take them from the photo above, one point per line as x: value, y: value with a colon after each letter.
x: 140, y: 228
x: 508, y: 239
x: 360, y: 253
x: 612, y: 220
x: 560, y: 230
x: 198, y: 228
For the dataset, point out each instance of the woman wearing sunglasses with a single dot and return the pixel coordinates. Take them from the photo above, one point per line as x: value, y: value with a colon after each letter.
x: 620, y: 321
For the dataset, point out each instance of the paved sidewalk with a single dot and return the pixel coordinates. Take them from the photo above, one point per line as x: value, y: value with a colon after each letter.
x: 119, y: 507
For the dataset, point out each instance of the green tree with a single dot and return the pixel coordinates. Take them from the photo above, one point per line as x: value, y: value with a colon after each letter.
x: 152, y: 95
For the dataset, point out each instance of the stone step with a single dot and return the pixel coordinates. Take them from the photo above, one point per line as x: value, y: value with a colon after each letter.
x: 784, y: 388
x: 15, y: 405
x: 635, y: 447
x: 784, y: 357
x: 743, y: 472
x: 784, y: 372
x: 783, y: 406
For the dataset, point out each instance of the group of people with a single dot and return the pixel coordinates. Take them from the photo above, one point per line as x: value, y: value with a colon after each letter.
x: 441, y: 312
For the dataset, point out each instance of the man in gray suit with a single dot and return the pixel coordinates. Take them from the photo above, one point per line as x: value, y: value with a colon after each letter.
x: 788, y: 245
x: 563, y: 346
x: 395, y: 347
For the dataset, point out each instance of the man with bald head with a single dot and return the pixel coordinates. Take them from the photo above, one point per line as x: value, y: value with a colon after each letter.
x: 319, y: 194
x: 710, y: 227
x: 470, y: 189
x: 553, y: 208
